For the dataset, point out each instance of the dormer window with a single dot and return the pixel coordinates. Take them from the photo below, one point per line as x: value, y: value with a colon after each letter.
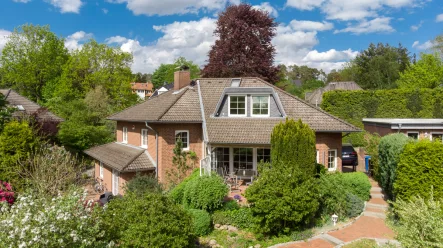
x: 237, y: 105
x: 260, y: 105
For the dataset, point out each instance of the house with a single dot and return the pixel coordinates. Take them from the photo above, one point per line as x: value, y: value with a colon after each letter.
x: 26, y: 107
x: 143, y: 90
x: 163, y: 89
x: 414, y: 128
x: 316, y: 97
x: 227, y: 122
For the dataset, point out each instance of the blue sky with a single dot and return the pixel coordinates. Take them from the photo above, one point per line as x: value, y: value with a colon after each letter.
x: 318, y: 33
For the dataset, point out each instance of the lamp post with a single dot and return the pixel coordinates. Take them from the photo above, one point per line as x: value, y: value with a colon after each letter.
x: 334, y: 218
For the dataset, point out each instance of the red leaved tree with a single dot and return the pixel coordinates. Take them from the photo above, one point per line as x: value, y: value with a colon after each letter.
x: 244, y: 47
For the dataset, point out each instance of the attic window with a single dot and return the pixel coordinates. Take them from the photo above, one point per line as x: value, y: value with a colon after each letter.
x: 20, y: 107
x: 235, y: 82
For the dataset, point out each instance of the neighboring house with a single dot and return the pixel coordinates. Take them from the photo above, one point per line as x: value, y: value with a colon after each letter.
x: 227, y: 122
x: 143, y: 90
x: 297, y: 82
x: 414, y: 128
x: 166, y: 87
x: 26, y: 107
x: 315, y: 98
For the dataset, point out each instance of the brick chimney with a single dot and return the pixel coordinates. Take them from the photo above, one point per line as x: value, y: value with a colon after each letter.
x: 181, y: 79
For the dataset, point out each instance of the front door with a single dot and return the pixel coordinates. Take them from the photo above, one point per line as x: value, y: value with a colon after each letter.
x: 115, y: 177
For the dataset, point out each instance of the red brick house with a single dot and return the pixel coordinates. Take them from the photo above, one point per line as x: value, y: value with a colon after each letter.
x: 143, y: 90
x: 414, y: 128
x: 226, y: 121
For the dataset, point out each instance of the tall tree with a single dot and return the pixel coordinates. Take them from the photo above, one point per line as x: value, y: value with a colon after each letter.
x: 244, y: 45
x: 32, y: 57
x: 438, y: 45
x: 378, y: 67
x: 165, y: 72
x: 142, y: 77
x: 425, y: 73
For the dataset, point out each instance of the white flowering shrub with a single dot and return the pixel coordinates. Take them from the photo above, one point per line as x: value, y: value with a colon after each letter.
x: 63, y: 221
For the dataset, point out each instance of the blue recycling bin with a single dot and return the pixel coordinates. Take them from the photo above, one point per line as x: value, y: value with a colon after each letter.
x: 367, y: 158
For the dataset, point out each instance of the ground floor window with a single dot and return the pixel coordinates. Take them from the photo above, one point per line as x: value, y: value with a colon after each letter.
x: 263, y: 154
x: 229, y: 160
x: 413, y: 135
x: 115, y: 181
x: 243, y: 158
x: 437, y: 136
x: 332, y: 160
x: 220, y: 160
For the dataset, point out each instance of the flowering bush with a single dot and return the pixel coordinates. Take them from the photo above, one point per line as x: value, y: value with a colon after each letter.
x: 6, y: 193
x: 58, y: 222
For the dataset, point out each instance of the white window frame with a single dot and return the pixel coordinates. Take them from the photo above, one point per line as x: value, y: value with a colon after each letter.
x: 318, y: 156
x: 187, y: 136
x: 101, y: 169
x: 439, y: 133
x: 335, y: 160
x: 416, y: 132
x: 252, y: 102
x: 115, y: 181
x: 142, y: 138
x: 125, y: 135
x: 229, y: 106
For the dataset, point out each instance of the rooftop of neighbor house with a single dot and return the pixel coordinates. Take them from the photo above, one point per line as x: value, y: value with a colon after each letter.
x: 142, y: 86
x: 206, y: 100
x: 316, y: 95
x: 122, y: 157
x: 395, y: 121
x: 24, y: 105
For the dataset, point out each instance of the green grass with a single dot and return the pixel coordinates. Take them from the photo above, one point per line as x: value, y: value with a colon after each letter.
x: 367, y: 243
x: 242, y: 239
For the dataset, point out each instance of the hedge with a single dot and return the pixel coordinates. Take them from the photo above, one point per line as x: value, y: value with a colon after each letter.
x: 420, y: 171
x: 205, y: 192
x: 176, y: 194
x: 390, y: 148
x: 201, y: 221
x: 353, y: 106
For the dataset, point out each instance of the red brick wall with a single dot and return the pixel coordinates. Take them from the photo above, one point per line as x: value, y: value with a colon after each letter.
x: 329, y: 141
x: 381, y: 130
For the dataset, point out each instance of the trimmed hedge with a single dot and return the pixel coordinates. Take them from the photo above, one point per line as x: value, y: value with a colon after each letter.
x: 358, y: 184
x: 205, y: 192
x: 176, y: 194
x: 389, y: 150
x: 420, y: 171
x: 201, y: 221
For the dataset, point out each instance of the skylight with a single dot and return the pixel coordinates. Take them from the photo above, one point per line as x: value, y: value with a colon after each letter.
x: 235, y: 82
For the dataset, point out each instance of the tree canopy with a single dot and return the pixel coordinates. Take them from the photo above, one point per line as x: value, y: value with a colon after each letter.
x: 426, y: 73
x: 165, y: 72
x: 244, y: 47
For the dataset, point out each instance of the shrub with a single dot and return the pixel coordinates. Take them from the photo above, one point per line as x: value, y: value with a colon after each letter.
x: 241, y: 218
x: 285, y: 197
x: 357, y: 183
x: 371, y: 143
x: 176, y: 193
x: 320, y: 170
x: 419, y: 170
x: 354, y: 205
x: 206, y: 193
x: 390, y: 149
x: 142, y: 184
x: 151, y: 220
x: 201, y: 221
x: 230, y: 205
x: 6, y: 193
x: 419, y: 222
x: 302, y: 235
x: 35, y: 221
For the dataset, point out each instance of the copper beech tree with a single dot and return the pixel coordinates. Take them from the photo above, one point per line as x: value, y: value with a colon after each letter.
x: 244, y: 47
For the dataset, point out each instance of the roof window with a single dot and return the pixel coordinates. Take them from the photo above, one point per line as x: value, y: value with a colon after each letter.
x: 235, y: 82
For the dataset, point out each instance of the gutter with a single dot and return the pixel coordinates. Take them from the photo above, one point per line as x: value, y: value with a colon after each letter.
x: 156, y: 149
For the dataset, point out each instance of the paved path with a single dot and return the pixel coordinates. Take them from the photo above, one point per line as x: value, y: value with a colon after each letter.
x: 371, y: 224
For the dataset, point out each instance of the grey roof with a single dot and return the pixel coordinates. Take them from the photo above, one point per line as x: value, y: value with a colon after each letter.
x: 24, y: 105
x: 122, y: 157
x: 167, y: 86
x: 403, y: 121
x: 316, y: 96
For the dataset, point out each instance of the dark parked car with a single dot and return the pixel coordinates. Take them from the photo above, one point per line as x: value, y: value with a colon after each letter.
x: 349, y: 156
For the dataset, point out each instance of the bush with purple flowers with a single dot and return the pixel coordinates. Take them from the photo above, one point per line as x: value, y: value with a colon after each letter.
x: 6, y: 193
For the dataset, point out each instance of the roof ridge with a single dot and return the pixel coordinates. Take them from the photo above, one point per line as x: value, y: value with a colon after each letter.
x: 135, y: 157
x: 309, y: 105
x: 184, y: 90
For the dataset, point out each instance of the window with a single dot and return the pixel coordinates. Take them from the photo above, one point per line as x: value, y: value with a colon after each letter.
x: 101, y: 170
x: 243, y: 158
x: 332, y: 160
x: 413, y: 135
x: 260, y: 105
x: 220, y: 159
x: 184, y: 137
x: 318, y: 156
x: 237, y: 105
x: 125, y: 135
x: 115, y: 183
x: 437, y: 136
x: 263, y: 154
x: 144, y: 138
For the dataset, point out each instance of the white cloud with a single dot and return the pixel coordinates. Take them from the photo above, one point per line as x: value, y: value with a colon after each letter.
x: 425, y: 46
x: 311, y: 25
x: 116, y: 39
x: 105, y: 11
x: 352, y: 10
x: 330, y: 56
x: 170, y: 7
x: 266, y: 6
x: 416, y: 27
x: 73, y: 41
x: 439, y: 18
x: 3, y: 38
x: 377, y: 25
x: 67, y: 6
x: 22, y: 1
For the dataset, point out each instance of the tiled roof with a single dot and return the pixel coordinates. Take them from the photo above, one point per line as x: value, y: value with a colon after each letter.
x: 316, y: 96
x: 122, y: 157
x: 142, y: 86
x: 169, y: 106
x: 258, y: 130
x: 29, y: 107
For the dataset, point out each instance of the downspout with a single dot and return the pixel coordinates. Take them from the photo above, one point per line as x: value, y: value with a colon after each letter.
x: 156, y: 149
x: 399, y: 127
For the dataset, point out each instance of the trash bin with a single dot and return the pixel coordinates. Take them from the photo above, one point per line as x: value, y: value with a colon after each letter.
x: 367, y: 158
